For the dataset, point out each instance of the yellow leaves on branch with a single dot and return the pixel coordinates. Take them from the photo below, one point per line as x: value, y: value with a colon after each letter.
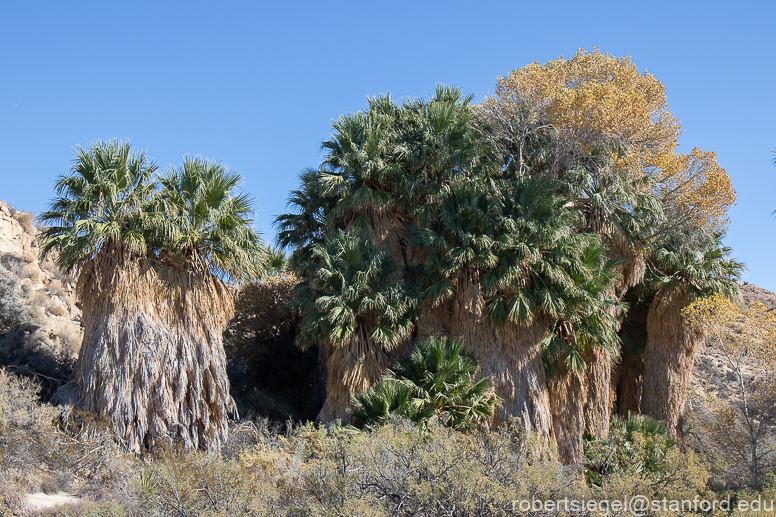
x: 597, y: 98
x: 742, y: 335
x: 696, y: 186
x: 597, y: 101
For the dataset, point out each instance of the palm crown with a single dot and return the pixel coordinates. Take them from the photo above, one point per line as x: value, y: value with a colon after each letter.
x: 111, y: 199
x: 102, y: 203
x: 351, y: 295
x: 205, y: 221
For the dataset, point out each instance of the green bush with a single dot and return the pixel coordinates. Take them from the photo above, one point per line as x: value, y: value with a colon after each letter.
x: 640, y: 457
x: 438, y: 382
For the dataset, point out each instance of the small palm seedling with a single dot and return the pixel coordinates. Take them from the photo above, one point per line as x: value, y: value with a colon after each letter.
x: 637, y: 444
x: 437, y: 382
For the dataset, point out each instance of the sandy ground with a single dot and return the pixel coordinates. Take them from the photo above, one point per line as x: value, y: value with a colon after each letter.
x: 39, y: 501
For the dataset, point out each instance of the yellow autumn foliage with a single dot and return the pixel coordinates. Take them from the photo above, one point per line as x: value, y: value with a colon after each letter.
x: 601, y: 103
x: 743, y: 428
x: 742, y: 335
x: 696, y: 186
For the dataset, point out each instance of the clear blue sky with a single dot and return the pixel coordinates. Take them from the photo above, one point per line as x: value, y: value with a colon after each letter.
x: 256, y: 84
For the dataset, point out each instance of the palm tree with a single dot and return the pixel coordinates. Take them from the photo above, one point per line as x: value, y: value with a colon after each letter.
x: 152, y: 360
x: 683, y: 269
x: 507, y: 264
x: 438, y: 381
x: 351, y: 304
x: 206, y: 238
x: 477, y: 258
x: 96, y: 226
x: 624, y: 213
x: 619, y: 207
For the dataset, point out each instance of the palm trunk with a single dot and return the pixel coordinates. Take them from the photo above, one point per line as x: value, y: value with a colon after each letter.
x: 668, y: 360
x: 351, y: 368
x: 152, y: 360
x: 568, y: 394
x: 599, y: 400
x: 511, y: 355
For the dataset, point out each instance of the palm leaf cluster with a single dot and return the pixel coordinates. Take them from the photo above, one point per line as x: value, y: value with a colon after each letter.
x: 350, y: 295
x: 205, y: 220
x: 112, y: 198
x: 101, y: 203
x: 438, y: 382
x: 422, y: 182
x: 697, y: 265
x: 638, y: 445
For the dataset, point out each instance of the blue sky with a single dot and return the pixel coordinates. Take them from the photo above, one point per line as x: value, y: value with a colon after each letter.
x: 256, y: 85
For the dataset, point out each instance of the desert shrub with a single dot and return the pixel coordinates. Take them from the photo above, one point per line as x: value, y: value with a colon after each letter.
x: 14, y: 266
x: 26, y: 431
x: 437, y: 382
x: 42, y: 449
x: 15, y: 315
x: 27, y: 349
x: 88, y: 508
x: 192, y: 483
x: 36, y: 355
x: 400, y: 469
x: 641, y: 457
x: 637, y: 443
x: 764, y: 498
x: 26, y: 220
x: 261, y: 308
x: 397, y: 469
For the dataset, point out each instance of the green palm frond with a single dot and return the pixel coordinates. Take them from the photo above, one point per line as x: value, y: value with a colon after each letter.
x: 101, y: 203
x: 201, y: 216
x: 437, y: 382
x: 699, y: 265
x: 349, y: 286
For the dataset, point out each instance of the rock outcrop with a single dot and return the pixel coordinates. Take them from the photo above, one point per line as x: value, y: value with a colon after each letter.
x: 45, y: 329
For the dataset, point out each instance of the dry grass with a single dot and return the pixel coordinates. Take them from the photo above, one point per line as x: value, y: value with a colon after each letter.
x: 43, y: 452
x: 48, y: 302
x: 396, y: 469
x: 27, y: 221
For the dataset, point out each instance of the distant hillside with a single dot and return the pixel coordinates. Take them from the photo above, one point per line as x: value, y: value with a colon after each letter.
x: 752, y: 293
